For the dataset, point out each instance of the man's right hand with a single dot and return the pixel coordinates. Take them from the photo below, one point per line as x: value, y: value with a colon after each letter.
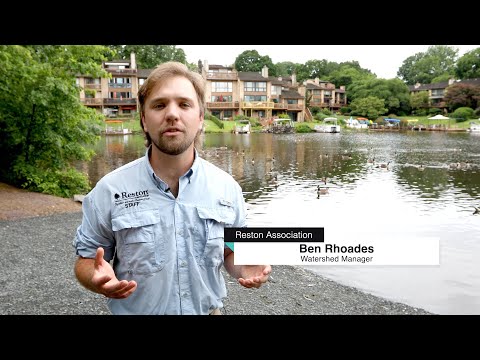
x: 106, y: 282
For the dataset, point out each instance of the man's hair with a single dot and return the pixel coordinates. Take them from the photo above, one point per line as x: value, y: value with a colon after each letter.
x: 166, y: 71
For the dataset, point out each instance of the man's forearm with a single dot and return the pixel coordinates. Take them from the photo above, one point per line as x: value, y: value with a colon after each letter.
x: 234, y: 271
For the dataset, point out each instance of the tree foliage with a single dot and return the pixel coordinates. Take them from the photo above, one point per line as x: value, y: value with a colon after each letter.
x: 370, y: 106
x: 44, y: 124
x: 149, y: 56
x: 394, y: 92
x: 286, y: 68
x: 251, y: 60
x: 419, y: 100
x: 424, y: 67
x: 347, y: 74
x: 462, y: 95
x: 468, y: 66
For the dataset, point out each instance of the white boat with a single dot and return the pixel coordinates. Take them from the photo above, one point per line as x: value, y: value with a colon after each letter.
x: 474, y: 126
x: 242, y: 127
x: 329, y: 125
x: 357, y: 124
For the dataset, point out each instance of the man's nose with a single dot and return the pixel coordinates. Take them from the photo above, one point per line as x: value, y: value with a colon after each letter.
x: 172, y: 111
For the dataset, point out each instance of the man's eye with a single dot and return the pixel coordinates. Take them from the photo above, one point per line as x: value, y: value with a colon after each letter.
x: 185, y: 104
x: 158, y: 106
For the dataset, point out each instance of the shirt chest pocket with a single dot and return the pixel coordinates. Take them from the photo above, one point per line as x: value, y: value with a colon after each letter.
x: 208, y: 248
x: 140, y: 244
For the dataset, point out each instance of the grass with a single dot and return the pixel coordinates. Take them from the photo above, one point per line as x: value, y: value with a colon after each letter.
x: 229, y: 126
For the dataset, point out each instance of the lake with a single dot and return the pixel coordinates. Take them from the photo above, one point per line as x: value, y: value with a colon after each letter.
x: 429, y: 189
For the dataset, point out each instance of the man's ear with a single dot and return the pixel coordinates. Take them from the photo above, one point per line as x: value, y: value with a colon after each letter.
x: 200, y: 125
x: 143, y: 122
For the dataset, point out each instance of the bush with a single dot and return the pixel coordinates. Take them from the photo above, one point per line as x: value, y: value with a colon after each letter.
x: 303, y: 128
x: 463, y: 114
x: 420, y: 112
x: 434, y: 111
x: 216, y: 120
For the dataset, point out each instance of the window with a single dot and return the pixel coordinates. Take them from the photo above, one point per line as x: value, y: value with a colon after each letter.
x: 120, y: 95
x: 276, y: 90
x: 221, y: 86
x: 221, y: 98
x: 95, y: 81
x: 253, y: 98
x: 437, y: 92
x: 255, y: 86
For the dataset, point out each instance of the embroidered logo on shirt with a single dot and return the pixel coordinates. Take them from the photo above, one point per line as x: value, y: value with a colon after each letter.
x: 128, y: 199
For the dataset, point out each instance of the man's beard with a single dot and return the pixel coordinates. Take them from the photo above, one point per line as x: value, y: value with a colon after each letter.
x: 171, y: 146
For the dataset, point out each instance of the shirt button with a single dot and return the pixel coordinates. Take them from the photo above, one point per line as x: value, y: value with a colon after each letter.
x: 185, y: 294
x: 180, y: 232
x: 183, y: 263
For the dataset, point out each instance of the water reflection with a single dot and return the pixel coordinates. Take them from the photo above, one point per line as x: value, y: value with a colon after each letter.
x: 430, y: 188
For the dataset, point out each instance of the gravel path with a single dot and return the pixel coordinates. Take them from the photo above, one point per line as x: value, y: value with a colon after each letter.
x: 36, y: 278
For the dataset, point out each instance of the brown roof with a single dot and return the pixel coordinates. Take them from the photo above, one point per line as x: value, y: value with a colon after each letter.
x: 291, y: 94
x: 251, y: 76
x: 443, y: 84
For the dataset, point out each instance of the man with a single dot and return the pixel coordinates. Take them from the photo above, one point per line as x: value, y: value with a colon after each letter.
x: 161, y: 217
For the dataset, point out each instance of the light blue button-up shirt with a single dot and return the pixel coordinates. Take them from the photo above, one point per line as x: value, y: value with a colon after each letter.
x: 172, y: 247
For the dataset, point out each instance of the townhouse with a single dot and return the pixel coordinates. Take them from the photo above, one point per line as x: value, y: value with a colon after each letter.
x: 229, y: 92
x: 437, y: 91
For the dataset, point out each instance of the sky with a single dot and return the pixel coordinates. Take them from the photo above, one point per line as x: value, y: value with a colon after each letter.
x: 382, y: 60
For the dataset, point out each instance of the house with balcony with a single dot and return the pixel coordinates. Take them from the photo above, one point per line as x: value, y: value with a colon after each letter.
x: 253, y: 94
x: 323, y: 94
x: 228, y: 92
x: 114, y: 96
x: 436, y: 91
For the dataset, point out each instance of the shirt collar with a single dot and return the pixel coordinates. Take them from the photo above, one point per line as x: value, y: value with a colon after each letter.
x: 159, y: 182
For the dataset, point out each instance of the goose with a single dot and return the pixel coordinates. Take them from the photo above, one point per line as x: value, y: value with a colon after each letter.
x: 421, y: 167
x: 383, y: 165
x: 477, y: 210
x: 322, y: 190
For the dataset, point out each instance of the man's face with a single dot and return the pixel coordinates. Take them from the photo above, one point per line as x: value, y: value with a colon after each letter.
x: 172, y: 116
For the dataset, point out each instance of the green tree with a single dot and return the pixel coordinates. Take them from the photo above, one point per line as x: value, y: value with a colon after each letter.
x: 316, y: 69
x: 424, y: 67
x: 44, y: 124
x: 371, y: 107
x: 394, y: 92
x: 286, y: 68
x: 149, y: 56
x: 462, y: 95
x: 347, y: 75
x: 419, y: 100
x: 468, y: 66
x: 251, y: 60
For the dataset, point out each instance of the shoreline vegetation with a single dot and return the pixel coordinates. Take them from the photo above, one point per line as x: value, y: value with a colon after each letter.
x: 229, y: 125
